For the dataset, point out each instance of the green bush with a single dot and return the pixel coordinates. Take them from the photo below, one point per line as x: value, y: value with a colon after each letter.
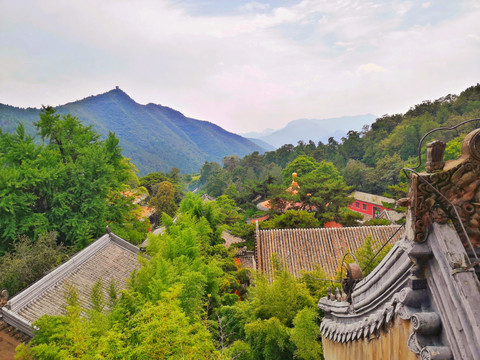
x: 28, y: 261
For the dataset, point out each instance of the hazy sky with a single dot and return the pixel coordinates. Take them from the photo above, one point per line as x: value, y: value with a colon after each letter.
x: 242, y: 65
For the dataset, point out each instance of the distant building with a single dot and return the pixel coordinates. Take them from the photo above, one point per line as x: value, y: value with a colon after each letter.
x: 146, y: 212
x: 138, y: 196
x: 369, y: 205
x: 259, y: 219
x: 230, y: 239
x: 246, y: 257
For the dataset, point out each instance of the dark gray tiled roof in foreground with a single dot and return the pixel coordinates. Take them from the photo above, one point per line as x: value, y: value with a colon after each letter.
x: 110, y: 258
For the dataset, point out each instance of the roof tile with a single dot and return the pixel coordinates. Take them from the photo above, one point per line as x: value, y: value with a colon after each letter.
x: 302, y: 249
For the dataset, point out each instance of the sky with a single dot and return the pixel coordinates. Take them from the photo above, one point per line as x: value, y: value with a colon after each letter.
x: 243, y: 65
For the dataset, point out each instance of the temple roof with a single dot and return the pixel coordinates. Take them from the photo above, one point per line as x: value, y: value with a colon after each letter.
x: 428, y: 279
x: 371, y: 198
x: 438, y: 306
x: 108, y: 259
x: 302, y: 249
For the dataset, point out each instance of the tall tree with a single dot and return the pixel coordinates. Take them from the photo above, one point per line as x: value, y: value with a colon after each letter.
x: 302, y: 166
x: 325, y: 191
x: 69, y: 184
x: 164, y: 201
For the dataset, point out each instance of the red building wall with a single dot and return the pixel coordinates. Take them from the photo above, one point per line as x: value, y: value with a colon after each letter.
x: 364, y: 207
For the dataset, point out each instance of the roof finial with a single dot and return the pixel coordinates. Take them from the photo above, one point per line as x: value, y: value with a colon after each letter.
x: 294, y: 183
x: 435, y: 152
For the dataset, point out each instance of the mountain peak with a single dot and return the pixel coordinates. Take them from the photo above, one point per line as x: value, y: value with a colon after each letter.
x: 118, y: 93
x: 115, y: 94
x: 154, y: 137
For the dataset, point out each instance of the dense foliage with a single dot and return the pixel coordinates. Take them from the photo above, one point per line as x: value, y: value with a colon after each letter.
x: 191, y: 300
x: 184, y: 303
x: 71, y: 184
x: 369, y: 160
x: 28, y: 261
x: 322, y: 191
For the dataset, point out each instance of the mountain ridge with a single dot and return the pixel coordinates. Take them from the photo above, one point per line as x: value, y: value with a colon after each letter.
x: 153, y: 136
x: 316, y: 129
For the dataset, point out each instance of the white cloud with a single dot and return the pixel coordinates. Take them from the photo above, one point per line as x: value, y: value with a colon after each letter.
x: 426, y: 5
x: 252, y: 6
x: 253, y: 69
x: 370, y: 68
x: 402, y: 8
x: 473, y: 37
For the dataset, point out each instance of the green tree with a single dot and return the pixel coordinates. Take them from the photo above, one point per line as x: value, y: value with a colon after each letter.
x: 277, y: 319
x: 313, y: 280
x: 217, y: 183
x: 228, y: 210
x: 358, y: 175
x: 26, y: 170
x: 231, y: 162
x: 292, y: 219
x: 67, y: 184
x: 151, y: 180
x: 164, y: 201
x: 365, y: 254
x: 283, y: 298
x: 269, y: 339
x: 208, y: 170
x: 353, y: 146
x: 453, y: 149
x: 387, y: 172
x: 165, y: 313
x: 163, y: 331
x: 28, y: 261
x: 324, y: 191
x: 232, y: 192
x: 305, y: 334
x: 302, y: 165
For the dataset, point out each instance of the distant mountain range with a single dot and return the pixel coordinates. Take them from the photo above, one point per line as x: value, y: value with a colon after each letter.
x: 154, y: 137
x: 312, y: 129
x: 256, y: 135
x: 262, y: 144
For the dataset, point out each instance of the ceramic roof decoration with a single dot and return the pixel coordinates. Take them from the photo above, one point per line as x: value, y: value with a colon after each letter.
x: 108, y: 259
x: 423, y: 299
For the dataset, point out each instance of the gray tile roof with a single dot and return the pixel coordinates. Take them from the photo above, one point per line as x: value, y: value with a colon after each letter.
x: 443, y: 307
x: 109, y: 258
x: 302, y: 249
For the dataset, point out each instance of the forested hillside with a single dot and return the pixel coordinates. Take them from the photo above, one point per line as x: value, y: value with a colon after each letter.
x: 154, y: 137
x: 191, y: 298
x: 369, y: 160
